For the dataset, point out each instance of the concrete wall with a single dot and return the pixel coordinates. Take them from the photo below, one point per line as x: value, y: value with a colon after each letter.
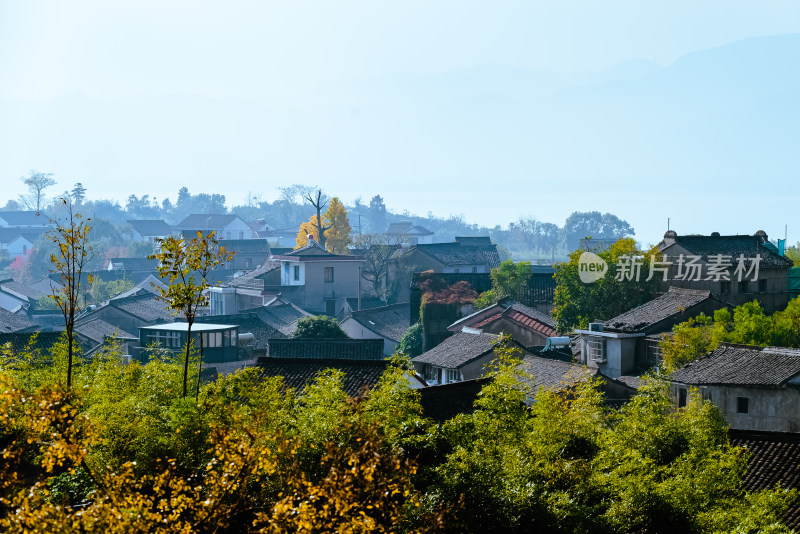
x: 317, y: 291
x: 769, y: 410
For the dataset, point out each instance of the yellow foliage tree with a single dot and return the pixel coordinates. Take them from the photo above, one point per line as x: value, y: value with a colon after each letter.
x: 308, y: 227
x: 338, y: 236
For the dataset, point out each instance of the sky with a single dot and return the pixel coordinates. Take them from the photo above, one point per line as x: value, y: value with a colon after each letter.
x: 308, y: 71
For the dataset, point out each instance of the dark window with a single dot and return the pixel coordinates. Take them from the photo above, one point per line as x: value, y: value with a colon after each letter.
x: 762, y: 286
x: 744, y: 286
x: 681, y: 398
x: 297, y: 273
x: 330, y: 308
x: 474, y: 269
x: 725, y: 288
x: 742, y: 405
x: 329, y: 274
x: 248, y: 263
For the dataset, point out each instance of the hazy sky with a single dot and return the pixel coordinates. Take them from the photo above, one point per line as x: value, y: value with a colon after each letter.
x: 267, y: 51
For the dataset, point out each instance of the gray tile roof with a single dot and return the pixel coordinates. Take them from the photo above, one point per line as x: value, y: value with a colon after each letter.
x: 455, y: 254
x: 134, y: 264
x: 342, y: 349
x: 11, y: 322
x: 730, y: 245
x: 742, y: 365
x: 299, y: 372
x: 553, y: 374
x: 97, y: 330
x: 673, y: 302
x: 196, y: 221
x: 534, y: 314
x: 24, y: 218
x: 22, y: 289
x: 8, y: 235
x: 145, y: 307
x: 151, y: 227
x: 458, y: 350
x: 390, y: 322
x: 282, y: 317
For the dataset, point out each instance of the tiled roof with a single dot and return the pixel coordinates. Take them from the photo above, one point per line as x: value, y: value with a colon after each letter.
x: 473, y: 241
x: 729, y: 245
x: 247, y: 279
x: 196, y: 221
x: 298, y: 372
x: 455, y: 254
x: 458, y: 349
x: 742, y: 365
x: 552, y: 374
x: 344, y: 349
x: 8, y: 235
x: 134, y: 264
x: 145, y: 307
x: 282, y: 317
x: 313, y: 248
x: 24, y: 218
x: 673, y: 302
x: 97, y: 330
x: 390, y: 322
x: 534, y: 319
x: 444, y: 402
x: 151, y: 227
x: 249, y: 323
x: 246, y: 246
x: 367, y: 303
x: 10, y: 322
x: 19, y: 340
x: 489, y: 320
x: 22, y: 289
x: 774, y: 458
x: 399, y: 227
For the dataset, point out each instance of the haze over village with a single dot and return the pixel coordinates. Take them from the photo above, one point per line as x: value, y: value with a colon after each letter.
x: 354, y: 267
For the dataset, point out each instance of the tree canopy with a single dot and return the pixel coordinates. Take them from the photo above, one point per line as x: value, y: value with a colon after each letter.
x: 319, y: 326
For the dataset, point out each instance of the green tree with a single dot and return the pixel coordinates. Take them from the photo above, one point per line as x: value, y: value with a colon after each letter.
x: 411, y: 343
x: 186, y: 265
x: 37, y: 182
x: 71, y: 256
x: 508, y: 280
x: 319, y: 326
x: 578, y: 303
x: 338, y: 237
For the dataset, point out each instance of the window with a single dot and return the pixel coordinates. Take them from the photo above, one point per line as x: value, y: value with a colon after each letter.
x: 429, y: 373
x: 212, y: 340
x: 744, y: 286
x: 296, y: 273
x: 248, y: 263
x: 457, y: 270
x: 762, y: 285
x: 725, y: 288
x: 227, y: 235
x: 453, y: 375
x: 595, y: 348
x: 681, y: 397
x: 241, y: 235
x: 742, y: 405
x: 329, y: 274
x: 330, y: 307
x: 475, y: 269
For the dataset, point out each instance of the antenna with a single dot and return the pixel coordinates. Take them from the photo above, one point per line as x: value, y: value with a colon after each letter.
x: 667, y: 224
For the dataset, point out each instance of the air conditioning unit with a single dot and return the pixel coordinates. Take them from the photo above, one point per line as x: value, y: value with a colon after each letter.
x: 595, y: 327
x: 126, y: 359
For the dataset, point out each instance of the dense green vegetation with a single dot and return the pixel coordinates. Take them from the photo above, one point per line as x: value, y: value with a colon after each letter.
x: 748, y: 325
x: 123, y: 451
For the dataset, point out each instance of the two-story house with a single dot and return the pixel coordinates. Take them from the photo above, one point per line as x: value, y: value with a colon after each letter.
x: 224, y: 226
x: 736, y: 268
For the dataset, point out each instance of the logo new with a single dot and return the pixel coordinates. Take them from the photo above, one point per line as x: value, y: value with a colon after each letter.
x: 591, y: 267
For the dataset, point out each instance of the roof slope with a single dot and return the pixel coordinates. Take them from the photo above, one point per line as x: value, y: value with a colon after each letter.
x: 552, y: 374
x: 730, y: 245
x: 455, y: 254
x: 458, y: 349
x: 98, y: 330
x: 23, y: 290
x: 197, y: 221
x: 390, y: 322
x: 10, y: 322
x: 673, y: 302
x: 299, y: 372
x: 774, y: 458
x: 282, y: 317
x: 742, y: 365
x: 151, y: 227
x: 145, y: 307
x: 24, y: 218
x: 344, y: 349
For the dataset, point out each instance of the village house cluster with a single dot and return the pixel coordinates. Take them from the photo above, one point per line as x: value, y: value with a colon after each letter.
x: 257, y: 298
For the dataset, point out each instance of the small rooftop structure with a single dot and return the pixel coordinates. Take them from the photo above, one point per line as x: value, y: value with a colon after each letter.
x: 297, y: 373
